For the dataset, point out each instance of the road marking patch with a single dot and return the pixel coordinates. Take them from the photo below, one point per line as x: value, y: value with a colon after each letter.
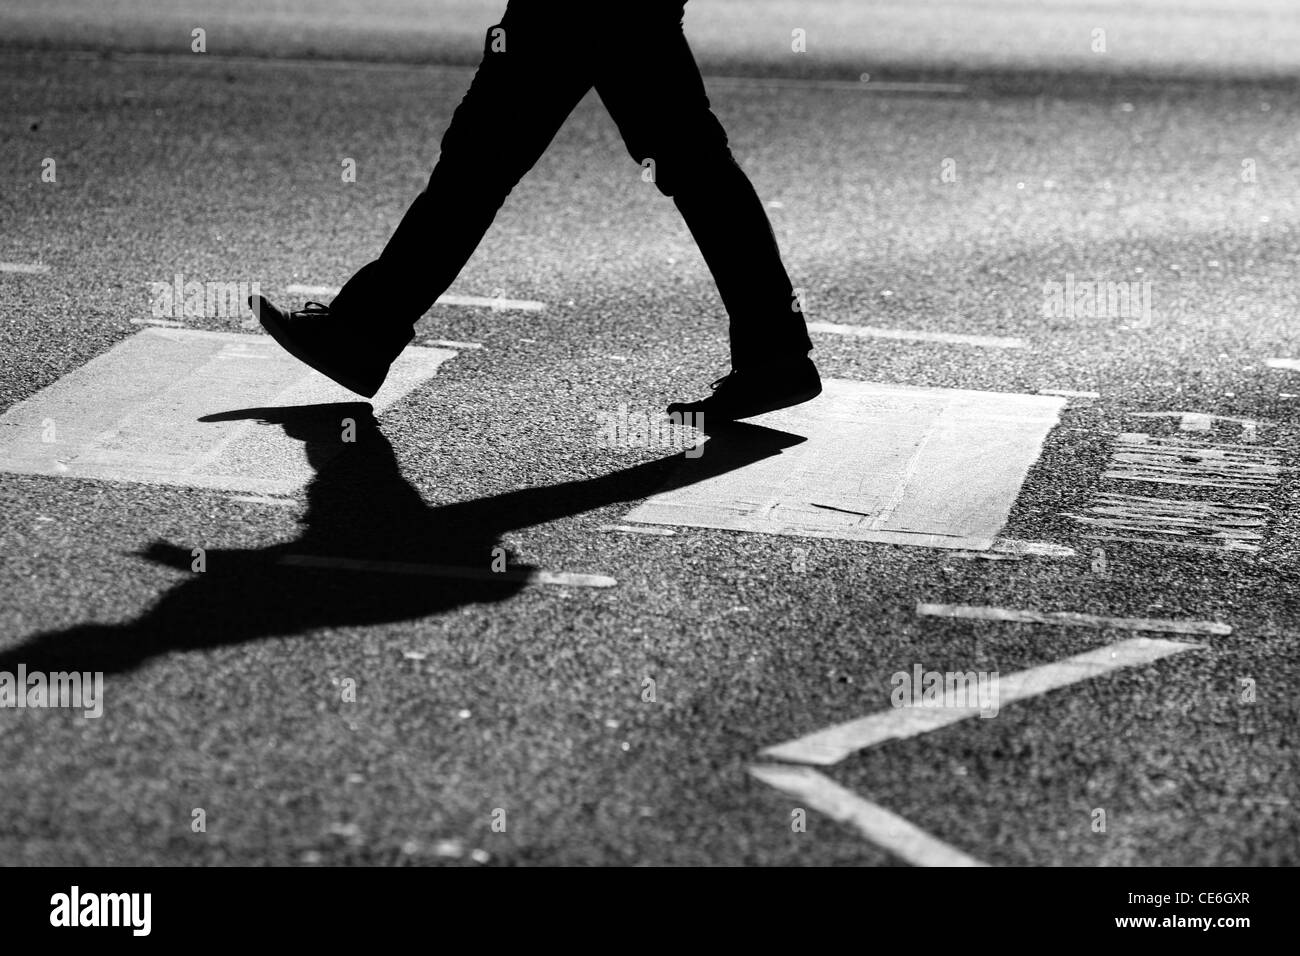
x: 24, y: 268
x: 132, y: 413
x: 885, y: 463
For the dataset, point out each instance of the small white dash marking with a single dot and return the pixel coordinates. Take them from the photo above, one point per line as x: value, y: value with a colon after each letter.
x: 979, y: 613
x: 1039, y: 549
x: 24, y: 268
x: 449, y: 344
x: 562, y: 578
x: 629, y: 529
x: 164, y: 323
x: 1195, y: 422
x: 312, y: 289
x: 878, y: 86
x: 1290, y: 364
x: 834, y: 743
x: 887, y: 830
x: 951, y: 338
x: 1068, y: 393
x: 477, y: 301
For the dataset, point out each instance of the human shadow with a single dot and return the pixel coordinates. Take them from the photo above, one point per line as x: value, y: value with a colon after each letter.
x: 372, y: 551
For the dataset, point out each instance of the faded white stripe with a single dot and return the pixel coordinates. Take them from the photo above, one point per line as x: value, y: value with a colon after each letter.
x: 24, y: 268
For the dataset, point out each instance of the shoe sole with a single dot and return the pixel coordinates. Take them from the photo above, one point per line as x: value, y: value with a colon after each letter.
x: 286, y: 342
x: 786, y: 402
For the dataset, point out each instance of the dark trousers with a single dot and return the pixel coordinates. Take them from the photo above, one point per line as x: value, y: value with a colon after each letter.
x: 538, y: 63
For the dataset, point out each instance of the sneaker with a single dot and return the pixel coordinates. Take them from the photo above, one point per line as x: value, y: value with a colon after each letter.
x: 317, y: 337
x: 755, y: 391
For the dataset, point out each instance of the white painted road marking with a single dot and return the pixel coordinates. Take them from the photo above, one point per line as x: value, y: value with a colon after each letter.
x: 1290, y: 364
x: 833, y: 744
x: 949, y: 338
x: 888, y: 463
x: 476, y: 301
x: 979, y: 613
x: 562, y: 578
x: 448, y: 344
x: 1140, y: 457
x: 887, y: 830
x: 1068, y: 393
x: 858, y: 86
x: 1202, y: 525
x: 1038, y: 549
x: 312, y: 289
x: 24, y: 268
x: 630, y: 529
x: 132, y: 414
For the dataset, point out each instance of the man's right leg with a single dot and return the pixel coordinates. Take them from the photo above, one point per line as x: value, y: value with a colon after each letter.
x: 531, y: 77
x: 529, y: 81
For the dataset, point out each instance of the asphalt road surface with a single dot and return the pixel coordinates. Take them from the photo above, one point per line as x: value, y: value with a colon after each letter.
x: 258, y: 712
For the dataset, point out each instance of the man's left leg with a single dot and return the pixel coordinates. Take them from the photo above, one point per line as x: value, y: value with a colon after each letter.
x: 652, y: 88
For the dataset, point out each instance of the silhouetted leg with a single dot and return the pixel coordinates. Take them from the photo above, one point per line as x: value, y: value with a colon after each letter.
x: 531, y: 77
x: 652, y: 87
